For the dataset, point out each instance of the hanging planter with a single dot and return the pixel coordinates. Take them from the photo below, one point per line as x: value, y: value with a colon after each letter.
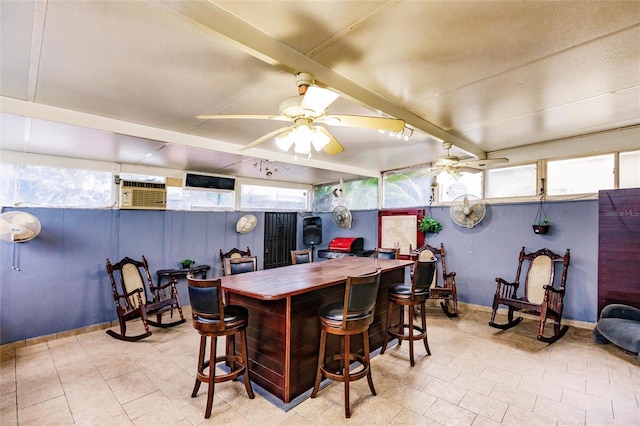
x: 429, y: 225
x: 541, y: 223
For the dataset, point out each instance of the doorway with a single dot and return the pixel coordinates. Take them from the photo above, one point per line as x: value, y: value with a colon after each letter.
x: 280, y: 237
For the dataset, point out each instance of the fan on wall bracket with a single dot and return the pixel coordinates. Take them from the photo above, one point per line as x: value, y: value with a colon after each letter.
x: 18, y: 227
x: 246, y: 224
x: 467, y: 210
x: 342, y: 217
x: 454, y: 165
x: 303, y: 112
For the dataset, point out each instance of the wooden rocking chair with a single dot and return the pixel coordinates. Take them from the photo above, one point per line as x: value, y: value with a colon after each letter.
x: 540, y: 297
x: 133, y: 300
x: 447, y: 290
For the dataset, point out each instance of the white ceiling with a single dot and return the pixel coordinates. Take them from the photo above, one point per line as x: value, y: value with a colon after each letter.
x: 123, y: 81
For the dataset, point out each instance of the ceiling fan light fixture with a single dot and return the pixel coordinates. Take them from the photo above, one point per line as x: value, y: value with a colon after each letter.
x: 284, y: 140
x: 302, y: 146
x: 318, y: 139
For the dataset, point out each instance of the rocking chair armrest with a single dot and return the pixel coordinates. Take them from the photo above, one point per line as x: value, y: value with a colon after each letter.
x: 117, y: 296
x: 450, y: 275
x: 501, y: 281
x: 171, y: 283
x: 554, y: 290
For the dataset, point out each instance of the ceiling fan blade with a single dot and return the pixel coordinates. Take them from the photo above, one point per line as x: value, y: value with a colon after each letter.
x: 242, y: 116
x: 267, y: 136
x: 472, y: 170
x: 480, y: 164
x: 364, y: 121
x: 333, y: 147
x: 435, y: 170
x: 318, y: 99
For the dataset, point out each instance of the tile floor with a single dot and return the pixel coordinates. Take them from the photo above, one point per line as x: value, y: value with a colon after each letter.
x: 477, y: 375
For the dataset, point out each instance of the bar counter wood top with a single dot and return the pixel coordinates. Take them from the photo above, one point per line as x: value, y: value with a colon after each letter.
x: 284, y: 326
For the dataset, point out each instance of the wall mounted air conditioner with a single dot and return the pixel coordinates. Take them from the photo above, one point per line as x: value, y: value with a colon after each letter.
x: 143, y: 195
x: 207, y: 182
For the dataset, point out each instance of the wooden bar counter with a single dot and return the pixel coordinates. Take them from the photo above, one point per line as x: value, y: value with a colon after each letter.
x: 284, y: 327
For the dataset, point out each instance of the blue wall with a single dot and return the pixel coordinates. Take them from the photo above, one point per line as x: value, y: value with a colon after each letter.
x: 62, y: 283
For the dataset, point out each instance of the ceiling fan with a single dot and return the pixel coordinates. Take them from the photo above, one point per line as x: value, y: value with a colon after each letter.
x: 454, y: 165
x: 306, y: 110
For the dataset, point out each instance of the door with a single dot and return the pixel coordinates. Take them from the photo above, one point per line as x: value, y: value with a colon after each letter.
x: 280, y: 236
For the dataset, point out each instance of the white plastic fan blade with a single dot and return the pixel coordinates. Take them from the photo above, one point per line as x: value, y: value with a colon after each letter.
x: 366, y: 122
x: 333, y: 147
x: 434, y: 170
x: 317, y: 99
x: 480, y: 164
x: 471, y: 170
x: 241, y: 116
x: 24, y: 219
x: 267, y: 136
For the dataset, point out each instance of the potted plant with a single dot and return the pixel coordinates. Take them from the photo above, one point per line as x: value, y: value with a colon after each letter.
x: 429, y: 225
x: 187, y: 263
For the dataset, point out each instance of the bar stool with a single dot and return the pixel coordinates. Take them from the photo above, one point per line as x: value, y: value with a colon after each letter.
x: 410, y: 296
x: 213, y: 319
x: 350, y: 317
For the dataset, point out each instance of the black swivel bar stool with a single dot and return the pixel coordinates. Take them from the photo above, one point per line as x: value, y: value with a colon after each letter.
x: 350, y: 317
x: 213, y: 319
x: 412, y: 295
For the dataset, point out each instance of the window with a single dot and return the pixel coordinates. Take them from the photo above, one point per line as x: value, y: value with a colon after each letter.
x: 580, y: 175
x: 451, y: 187
x: 360, y: 194
x: 630, y: 169
x: 184, y: 199
x: 505, y: 182
x: 270, y: 197
x: 408, y: 188
x: 54, y: 186
x: 324, y: 197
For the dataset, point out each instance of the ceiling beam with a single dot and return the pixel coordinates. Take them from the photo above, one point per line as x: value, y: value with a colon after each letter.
x: 260, y: 45
x: 75, y: 118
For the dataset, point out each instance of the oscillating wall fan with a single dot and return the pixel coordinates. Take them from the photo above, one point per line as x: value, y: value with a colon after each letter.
x: 467, y: 210
x: 454, y: 165
x: 246, y: 224
x: 18, y: 227
x: 306, y: 110
x: 342, y: 217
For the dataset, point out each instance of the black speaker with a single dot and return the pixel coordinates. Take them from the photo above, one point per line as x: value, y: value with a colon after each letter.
x: 312, y: 231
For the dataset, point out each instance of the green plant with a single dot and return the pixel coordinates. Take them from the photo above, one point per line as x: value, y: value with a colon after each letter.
x: 187, y: 263
x: 430, y: 225
x: 544, y: 222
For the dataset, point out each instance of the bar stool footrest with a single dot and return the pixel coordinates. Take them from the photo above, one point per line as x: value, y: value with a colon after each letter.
x: 405, y: 336
x: 352, y: 376
x: 231, y: 375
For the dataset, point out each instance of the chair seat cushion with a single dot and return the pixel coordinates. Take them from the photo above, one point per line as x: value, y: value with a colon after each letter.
x: 334, y: 312
x: 624, y: 333
x: 232, y: 313
x: 405, y: 290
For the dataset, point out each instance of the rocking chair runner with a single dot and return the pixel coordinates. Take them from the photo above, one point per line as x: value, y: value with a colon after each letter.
x: 448, y: 291
x: 133, y: 302
x: 540, y: 297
